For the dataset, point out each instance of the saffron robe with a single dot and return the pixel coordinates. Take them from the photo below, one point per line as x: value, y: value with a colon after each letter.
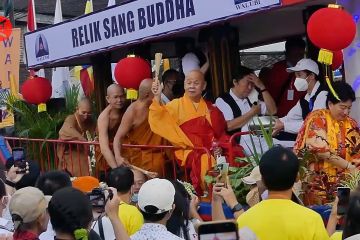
x: 72, y: 157
x: 145, y: 158
x: 186, y: 126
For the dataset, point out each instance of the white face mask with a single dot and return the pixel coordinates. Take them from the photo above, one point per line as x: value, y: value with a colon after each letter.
x: 301, y: 84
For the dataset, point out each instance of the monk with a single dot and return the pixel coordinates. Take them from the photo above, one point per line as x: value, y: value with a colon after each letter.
x: 135, y: 129
x: 74, y: 158
x: 188, y: 122
x: 108, y: 123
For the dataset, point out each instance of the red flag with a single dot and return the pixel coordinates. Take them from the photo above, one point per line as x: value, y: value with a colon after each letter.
x: 86, y: 82
x: 31, y: 18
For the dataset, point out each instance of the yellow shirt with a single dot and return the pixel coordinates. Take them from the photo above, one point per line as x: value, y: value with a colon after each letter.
x: 276, y: 219
x: 336, y: 236
x: 131, y: 218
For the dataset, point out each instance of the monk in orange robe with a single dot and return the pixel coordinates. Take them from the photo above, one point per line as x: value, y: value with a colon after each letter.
x: 135, y: 129
x: 75, y: 160
x: 107, y: 125
x: 189, y: 122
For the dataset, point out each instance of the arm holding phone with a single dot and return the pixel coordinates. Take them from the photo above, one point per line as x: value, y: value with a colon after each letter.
x: 333, y: 219
x: 220, y: 194
x: 112, y: 210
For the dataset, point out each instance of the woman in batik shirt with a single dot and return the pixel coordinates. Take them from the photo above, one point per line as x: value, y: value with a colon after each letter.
x: 328, y: 144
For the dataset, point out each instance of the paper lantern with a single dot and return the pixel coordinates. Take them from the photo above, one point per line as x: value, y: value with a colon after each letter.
x: 5, y: 28
x: 129, y: 72
x: 331, y: 28
x: 338, y: 59
x: 37, y: 90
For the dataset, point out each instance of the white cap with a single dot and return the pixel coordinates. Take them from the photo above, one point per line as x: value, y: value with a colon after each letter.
x: 190, y: 62
x: 305, y: 64
x: 156, y: 192
x: 254, y: 176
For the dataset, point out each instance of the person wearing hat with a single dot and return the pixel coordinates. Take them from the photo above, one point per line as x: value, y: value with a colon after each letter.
x: 156, y: 203
x: 253, y: 196
x: 28, y: 209
x: 307, y: 80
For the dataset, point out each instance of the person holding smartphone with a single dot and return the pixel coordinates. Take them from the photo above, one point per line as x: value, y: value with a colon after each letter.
x: 279, y: 168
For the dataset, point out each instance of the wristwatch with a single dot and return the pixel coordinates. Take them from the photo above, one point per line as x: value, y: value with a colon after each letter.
x: 237, y: 207
x: 10, y: 183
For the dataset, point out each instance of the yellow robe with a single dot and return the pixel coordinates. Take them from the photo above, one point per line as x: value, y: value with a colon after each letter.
x: 147, y: 159
x: 186, y: 125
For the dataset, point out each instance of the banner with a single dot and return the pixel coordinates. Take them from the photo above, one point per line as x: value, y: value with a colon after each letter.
x: 9, y: 73
x: 129, y: 23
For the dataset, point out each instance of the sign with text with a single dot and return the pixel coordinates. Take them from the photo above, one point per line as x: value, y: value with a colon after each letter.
x: 131, y: 22
x: 9, y: 73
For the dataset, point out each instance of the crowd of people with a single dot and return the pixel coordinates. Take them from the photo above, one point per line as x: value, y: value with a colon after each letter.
x: 135, y: 200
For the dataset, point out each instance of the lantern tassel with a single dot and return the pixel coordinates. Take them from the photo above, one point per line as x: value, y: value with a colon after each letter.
x: 131, y: 94
x: 332, y: 90
x: 325, y: 57
x: 42, y: 107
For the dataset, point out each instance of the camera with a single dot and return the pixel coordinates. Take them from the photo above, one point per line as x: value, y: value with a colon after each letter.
x: 98, y: 197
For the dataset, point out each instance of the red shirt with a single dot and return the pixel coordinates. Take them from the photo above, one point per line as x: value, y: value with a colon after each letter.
x: 280, y: 85
x: 26, y: 235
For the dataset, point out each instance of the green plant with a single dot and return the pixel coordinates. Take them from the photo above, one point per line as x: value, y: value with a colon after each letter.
x: 236, y: 174
x: 351, y: 180
x: 29, y: 123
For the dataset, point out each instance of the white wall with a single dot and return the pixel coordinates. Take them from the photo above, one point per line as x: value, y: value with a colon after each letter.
x: 352, y: 56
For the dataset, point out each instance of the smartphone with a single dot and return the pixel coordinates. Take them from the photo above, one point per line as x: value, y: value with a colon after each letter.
x: 19, y: 158
x: 224, y: 230
x: 223, y: 172
x: 18, y: 154
x: 343, y: 194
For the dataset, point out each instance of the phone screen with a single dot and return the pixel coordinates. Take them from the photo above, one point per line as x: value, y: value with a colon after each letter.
x: 343, y: 194
x: 18, y: 154
x: 218, y: 230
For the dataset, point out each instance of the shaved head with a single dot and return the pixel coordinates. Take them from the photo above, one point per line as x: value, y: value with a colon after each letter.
x: 84, y: 109
x: 84, y: 103
x: 145, y: 88
x: 194, y: 85
x: 195, y: 74
x: 115, y: 96
x: 114, y: 89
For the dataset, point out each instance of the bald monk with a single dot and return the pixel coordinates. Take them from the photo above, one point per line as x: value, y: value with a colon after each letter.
x: 188, y: 122
x: 108, y: 123
x: 134, y: 129
x: 74, y: 129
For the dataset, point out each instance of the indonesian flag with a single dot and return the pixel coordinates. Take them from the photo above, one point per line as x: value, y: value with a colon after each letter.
x: 31, y: 26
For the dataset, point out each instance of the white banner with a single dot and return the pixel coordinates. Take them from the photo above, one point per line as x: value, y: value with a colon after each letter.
x: 127, y: 23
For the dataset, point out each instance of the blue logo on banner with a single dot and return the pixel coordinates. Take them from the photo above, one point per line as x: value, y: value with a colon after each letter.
x: 41, y: 48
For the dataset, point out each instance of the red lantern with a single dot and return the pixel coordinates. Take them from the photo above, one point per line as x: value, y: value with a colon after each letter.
x: 36, y: 90
x: 130, y: 71
x: 338, y: 59
x: 331, y: 28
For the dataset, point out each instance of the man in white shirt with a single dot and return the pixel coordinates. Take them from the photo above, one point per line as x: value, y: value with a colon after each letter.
x: 156, y: 203
x: 306, y: 72
x: 239, y: 111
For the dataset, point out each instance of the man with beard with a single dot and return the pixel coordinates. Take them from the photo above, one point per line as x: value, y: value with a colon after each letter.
x: 72, y: 158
